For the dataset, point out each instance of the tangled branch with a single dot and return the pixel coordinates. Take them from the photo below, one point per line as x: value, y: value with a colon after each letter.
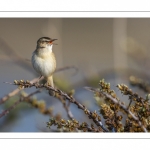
x: 72, y: 125
x: 17, y: 102
x: 92, y: 115
x: 112, y: 109
x: 136, y: 112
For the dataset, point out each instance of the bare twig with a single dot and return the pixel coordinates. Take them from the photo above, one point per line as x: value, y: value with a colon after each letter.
x: 66, y: 107
x: 66, y: 68
x: 129, y: 104
x: 16, y: 58
x: 120, y: 105
x: 16, y: 103
x: 69, y: 113
x: 14, y: 92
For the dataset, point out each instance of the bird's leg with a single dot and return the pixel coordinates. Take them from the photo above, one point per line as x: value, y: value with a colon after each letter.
x: 38, y: 79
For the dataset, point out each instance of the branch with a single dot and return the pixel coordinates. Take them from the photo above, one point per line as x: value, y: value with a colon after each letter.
x: 16, y: 103
x: 72, y: 125
x: 96, y: 119
x: 114, y: 100
x: 14, y: 92
x: 66, y: 107
x: 66, y: 68
x: 12, y: 54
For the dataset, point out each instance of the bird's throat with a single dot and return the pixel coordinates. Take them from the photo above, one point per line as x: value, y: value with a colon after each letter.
x: 44, y: 53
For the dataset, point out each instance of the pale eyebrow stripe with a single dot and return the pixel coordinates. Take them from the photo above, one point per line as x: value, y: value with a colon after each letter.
x: 46, y: 40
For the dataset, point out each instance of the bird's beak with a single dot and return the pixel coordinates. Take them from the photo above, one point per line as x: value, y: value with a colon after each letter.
x: 51, y: 41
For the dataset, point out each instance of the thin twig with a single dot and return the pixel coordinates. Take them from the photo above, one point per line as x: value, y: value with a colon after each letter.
x: 66, y: 107
x: 69, y: 113
x: 129, y: 104
x: 14, y: 92
x: 16, y: 103
x: 116, y: 121
x: 14, y: 56
x: 66, y: 68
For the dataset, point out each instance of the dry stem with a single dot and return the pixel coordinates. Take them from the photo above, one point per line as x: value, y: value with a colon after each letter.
x: 120, y: 105
x: 16, y: 103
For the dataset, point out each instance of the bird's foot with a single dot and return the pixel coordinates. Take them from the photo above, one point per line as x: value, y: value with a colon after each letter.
x: 51, y: 93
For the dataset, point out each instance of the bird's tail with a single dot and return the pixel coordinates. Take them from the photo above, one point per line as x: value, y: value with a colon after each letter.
x: 50, y: 81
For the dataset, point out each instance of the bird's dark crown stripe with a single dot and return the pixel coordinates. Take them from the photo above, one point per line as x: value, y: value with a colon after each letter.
x: 46, y: 39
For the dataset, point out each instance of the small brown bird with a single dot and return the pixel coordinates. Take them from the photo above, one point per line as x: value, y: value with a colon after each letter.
x: 43, y: 59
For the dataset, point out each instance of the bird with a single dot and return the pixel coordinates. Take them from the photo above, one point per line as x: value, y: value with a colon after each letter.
x: 43, y: 59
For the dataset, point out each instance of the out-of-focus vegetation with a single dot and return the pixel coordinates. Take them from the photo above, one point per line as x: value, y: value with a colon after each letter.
x: 113, y: 114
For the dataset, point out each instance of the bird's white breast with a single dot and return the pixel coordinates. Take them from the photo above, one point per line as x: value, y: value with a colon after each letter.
x: 44, y: 63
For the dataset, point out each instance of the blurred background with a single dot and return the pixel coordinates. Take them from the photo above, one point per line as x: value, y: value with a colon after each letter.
x: 109, y: 48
